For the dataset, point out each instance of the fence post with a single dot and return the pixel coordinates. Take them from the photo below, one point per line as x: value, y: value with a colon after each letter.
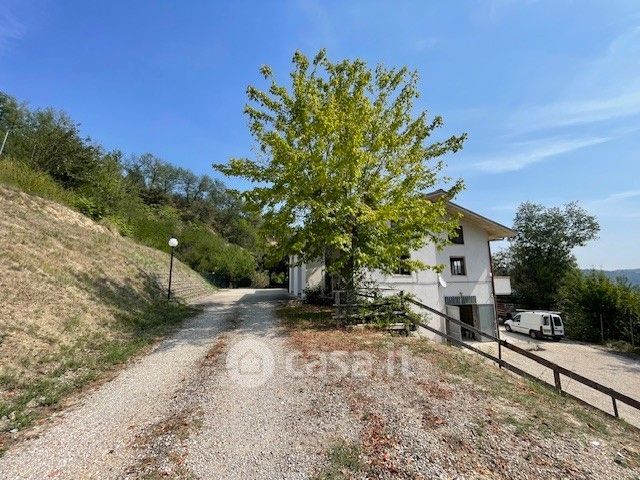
x: 556, y: 379
x: 615, y: 406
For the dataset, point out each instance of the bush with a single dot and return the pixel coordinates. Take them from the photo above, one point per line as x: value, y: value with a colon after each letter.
x: 89, y: 208
x: 260, y: 279
x: 595, y: 306
x: 115, y: 222
x: 317, y: 295
x: 393, y: 304
x: 27, y: 179
x: 278, y: 279
x: 153, y: 226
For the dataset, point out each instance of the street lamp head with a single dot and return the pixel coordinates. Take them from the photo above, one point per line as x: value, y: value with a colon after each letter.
x: 173, y: 242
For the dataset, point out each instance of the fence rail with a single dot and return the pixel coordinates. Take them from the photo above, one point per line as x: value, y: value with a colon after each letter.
x: 557, y: 369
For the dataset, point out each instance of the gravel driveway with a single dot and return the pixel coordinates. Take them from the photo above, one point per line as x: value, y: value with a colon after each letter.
x: 188, y: 410
x: 620, y: 372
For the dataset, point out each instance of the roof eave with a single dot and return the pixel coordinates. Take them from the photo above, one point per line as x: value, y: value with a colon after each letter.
x: 495, y: 230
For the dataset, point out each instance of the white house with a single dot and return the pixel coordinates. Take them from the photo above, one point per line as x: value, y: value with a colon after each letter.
x: 466, y: 289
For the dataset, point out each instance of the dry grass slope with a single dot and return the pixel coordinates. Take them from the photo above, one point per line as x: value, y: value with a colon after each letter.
x: 76, y: 298
x: 453, y: 415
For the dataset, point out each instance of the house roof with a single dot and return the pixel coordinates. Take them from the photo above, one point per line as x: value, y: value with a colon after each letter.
x: 496, y: 230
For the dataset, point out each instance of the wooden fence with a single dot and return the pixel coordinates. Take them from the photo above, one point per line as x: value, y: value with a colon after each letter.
x: 557, y: 369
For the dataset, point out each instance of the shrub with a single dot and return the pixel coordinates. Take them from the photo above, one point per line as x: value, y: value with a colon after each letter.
x: 595, y: 307
x: 259, y: 279
x: 278, y: 279
x: 119, y: 224
x: 90, y: 208
x: 27, y: 179
x: 317, y: 295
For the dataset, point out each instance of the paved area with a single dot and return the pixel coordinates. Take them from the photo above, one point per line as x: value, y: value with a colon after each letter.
x: 620, y: 372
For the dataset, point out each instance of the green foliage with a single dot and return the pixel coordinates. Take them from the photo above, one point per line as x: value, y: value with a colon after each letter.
x: 25, y: 178
x: 91, y: 356
x: 144, y: 197
x: 119, y: 224
x: 278, y: 279
x: 259, y: 279
x: 89, y: 208
x: 224, y: 263
x: 344, y: 462
x: 540, y: 255
x: 343, y: 165
x: 317, y: 295
x: 597, y: 309
x: 49, y: 141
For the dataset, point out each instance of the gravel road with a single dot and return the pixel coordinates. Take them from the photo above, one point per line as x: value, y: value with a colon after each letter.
x: 213, y: 401
x: 233, y: 396
x: 622, y: 373
x: 262, y: 419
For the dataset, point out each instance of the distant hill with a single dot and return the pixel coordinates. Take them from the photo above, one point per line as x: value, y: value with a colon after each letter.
x: 633, y: 274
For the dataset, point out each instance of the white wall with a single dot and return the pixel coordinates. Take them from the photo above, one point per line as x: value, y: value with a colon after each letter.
x: 305, y: 275
x: 424, y: 285
x: 502, y: 284
x: 315, y: 273
x: 475, y: 251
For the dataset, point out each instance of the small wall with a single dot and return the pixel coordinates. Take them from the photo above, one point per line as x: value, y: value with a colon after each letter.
x: 503, y: 285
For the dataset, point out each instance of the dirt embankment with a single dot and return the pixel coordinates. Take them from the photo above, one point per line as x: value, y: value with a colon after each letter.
x: 75, y: 298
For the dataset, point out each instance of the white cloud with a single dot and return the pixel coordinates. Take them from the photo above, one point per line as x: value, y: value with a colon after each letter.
x: 616, y: 205
x: 607, y: 88
x: 616, y: 197
x: 577, y: 112
x: 525, y: 154
x: 10, y: 29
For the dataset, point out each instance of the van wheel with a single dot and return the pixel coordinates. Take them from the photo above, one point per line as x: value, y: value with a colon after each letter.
x: 507, y: 327
x: 533, y: 334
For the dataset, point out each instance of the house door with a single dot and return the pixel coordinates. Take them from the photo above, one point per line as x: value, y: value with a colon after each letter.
x: 467, y: 316
x: 453, y: 329
x: 486, y: 320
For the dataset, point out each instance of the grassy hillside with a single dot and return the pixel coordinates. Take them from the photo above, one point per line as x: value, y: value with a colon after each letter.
x: 76, y: 299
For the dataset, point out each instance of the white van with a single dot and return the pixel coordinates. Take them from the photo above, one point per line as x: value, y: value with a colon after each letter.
x: 537, y: 324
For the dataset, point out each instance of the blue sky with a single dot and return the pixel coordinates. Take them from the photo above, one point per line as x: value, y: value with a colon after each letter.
x: 548, y: 91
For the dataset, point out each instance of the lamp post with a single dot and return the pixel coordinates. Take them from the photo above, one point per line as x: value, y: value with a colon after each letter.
x: 173, y: 243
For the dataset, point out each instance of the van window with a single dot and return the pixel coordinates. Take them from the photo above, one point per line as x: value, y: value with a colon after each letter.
x: 546, y: 320
x: 516, y: 319
x: 557, y: 321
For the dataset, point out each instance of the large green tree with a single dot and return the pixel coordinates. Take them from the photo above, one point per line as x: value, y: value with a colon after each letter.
x: 343, y: 164
x: 540, y: 255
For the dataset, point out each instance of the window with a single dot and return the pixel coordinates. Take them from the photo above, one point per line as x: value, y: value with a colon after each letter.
x: 458, y: 237
x: 402, y: 269
x: 546, y: 320
x: 457, y: 266
x: 516, y: 319
x: 557, y: 321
